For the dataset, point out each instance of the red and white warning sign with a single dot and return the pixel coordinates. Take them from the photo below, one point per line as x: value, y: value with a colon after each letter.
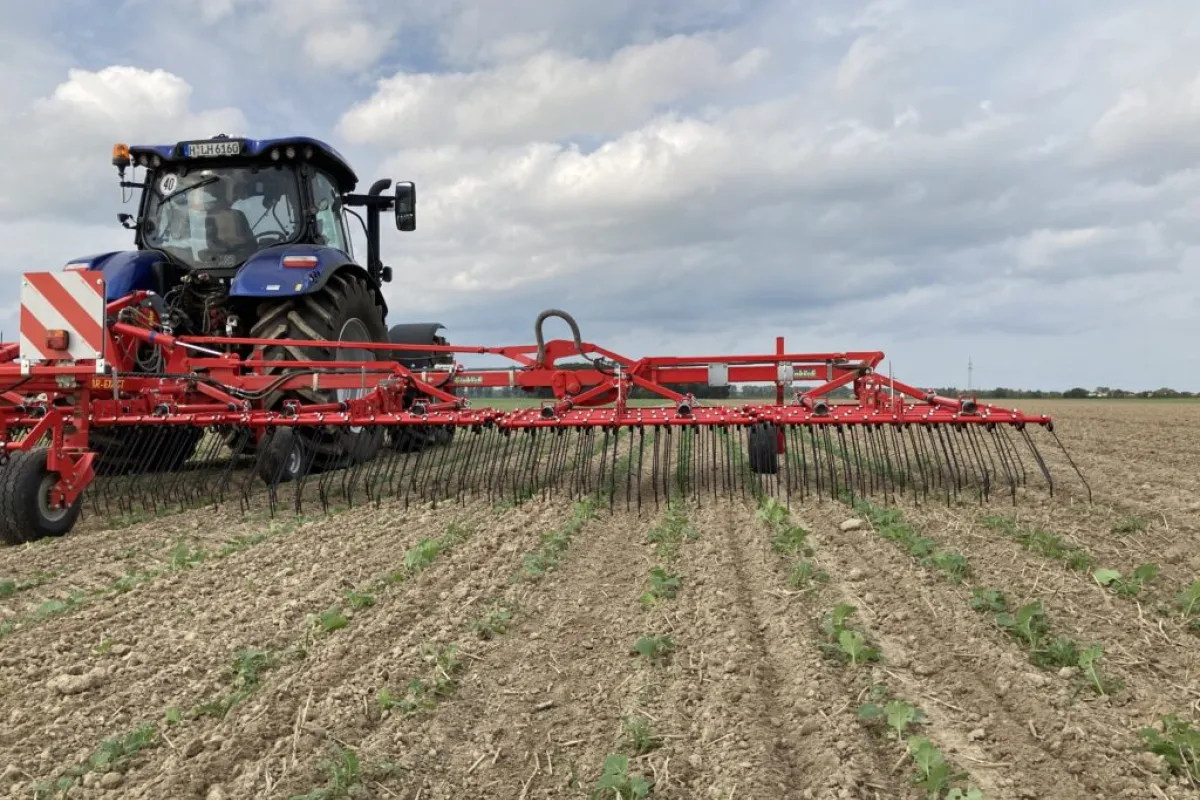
x: 62, y: 315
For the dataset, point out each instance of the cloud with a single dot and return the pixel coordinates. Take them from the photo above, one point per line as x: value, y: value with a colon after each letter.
x: 547, y: 96
x: 73, y: 128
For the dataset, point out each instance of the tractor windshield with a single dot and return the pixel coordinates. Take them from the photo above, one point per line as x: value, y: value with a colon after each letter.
x: 217, y: 217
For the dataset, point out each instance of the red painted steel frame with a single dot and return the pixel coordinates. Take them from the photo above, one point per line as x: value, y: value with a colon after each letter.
x: 204, y: 383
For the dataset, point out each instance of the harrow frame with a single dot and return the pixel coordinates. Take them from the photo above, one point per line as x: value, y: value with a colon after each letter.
x: 215, y: 382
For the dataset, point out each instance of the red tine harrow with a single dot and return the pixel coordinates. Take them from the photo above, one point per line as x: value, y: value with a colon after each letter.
x: 205, y: 432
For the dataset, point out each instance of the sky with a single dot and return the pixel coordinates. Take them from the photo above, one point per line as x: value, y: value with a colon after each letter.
x: 1016, y: 185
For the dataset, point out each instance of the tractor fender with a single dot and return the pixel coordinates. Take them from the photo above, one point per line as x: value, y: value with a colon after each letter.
x: 264, y: 275
x: 417, y: 333
x: 125, y: 271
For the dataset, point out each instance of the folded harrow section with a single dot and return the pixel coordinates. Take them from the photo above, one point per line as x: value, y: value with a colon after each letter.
x: 207, y: 427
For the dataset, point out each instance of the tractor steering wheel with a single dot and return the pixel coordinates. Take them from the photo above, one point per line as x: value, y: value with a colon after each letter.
x: 275, y: 237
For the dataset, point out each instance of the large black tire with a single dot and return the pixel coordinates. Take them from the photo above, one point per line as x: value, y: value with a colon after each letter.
x: 25, y: 513
x: 415, y: 438
x: 347, y: 308
x: 128, y: 449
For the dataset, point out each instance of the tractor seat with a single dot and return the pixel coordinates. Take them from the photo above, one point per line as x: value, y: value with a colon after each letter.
x: 229, y: 231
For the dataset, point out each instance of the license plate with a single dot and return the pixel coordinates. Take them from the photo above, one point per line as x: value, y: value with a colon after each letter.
x: 206, y: 149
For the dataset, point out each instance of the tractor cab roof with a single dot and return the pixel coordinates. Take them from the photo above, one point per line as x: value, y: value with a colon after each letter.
x: 237, y: 149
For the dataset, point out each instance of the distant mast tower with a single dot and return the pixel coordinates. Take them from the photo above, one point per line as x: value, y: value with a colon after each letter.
x: 970, y: 374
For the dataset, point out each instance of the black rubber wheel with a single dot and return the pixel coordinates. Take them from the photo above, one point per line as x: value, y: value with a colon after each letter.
x: 128, y: 449
x: 283, y: 458
x: 25, y: 513
x: 345, y: 309
x: 763, y: 443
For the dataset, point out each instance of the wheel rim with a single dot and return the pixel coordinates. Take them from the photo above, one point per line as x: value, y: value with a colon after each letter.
x: 295, y: 460
x: 353, y: 330
x: 43, y: 499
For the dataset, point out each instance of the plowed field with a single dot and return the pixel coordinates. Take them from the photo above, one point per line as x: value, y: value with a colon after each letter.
x: 732, y: 649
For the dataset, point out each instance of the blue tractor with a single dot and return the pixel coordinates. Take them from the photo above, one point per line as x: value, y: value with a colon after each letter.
x: 249, y: 238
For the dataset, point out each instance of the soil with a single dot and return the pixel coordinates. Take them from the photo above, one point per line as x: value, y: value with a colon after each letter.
x: 219, y: 629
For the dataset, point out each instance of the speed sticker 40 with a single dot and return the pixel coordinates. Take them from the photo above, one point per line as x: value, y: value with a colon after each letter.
x: 204, y: 149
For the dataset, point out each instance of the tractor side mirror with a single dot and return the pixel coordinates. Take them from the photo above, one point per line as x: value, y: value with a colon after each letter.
x: 406, y: 206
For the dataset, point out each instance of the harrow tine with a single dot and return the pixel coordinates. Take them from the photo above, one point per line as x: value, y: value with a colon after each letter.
x: 1071, y: 461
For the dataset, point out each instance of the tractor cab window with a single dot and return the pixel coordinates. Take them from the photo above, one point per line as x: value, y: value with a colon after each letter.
x: 330, y: 223
x: 217, y: 218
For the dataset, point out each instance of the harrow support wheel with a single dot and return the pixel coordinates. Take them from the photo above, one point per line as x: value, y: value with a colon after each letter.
x: 762, y: 441
x: 346, y: 309
x: 25, y: 511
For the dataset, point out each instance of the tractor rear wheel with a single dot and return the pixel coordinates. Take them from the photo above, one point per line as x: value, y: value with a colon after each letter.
x: 25, y: 511
x: 346, y: 309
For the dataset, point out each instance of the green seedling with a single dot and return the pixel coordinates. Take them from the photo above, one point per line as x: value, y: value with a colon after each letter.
x: 345, y: 774
x: 991, y: 600
x: 554, y: 543
x: 1088, y: 665
x: 1129, y: 525
x: 1126, y: 587
x: 333, y: 620
x: 654, y: 649
x: 1178, y: 743
x: 492, y: 624
x: 663, y: 586
x: 789, y: 540
x: 771, y: 511
x: 641, y: 738
x: 1189, y: 601
x: 416, y: 697
x: 933, y: 773
x: 804, y: 574
x: 359, y: 600
x: 898, y: 714
x: 446, y: 665
x: 8, y: 588
x: 617, y: 783
x: 1043, y: 543
x: 421, y: 556
x: 844, y: 641
x: 184, y: 557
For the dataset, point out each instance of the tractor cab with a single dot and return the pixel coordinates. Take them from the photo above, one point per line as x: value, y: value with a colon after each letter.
x: 212, y: 205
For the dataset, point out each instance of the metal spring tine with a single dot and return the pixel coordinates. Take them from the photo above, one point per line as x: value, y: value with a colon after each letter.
x: 995, y: 450
x: 1071, y: 461
x: 446, y: 459
x: 217, y: 486
x: 399, y: 475
x: 487, y: 445
x: 868, y: 466
x: 879, y: 457
x: 985, y: 468
x: 695, y: 463
x: 206, y: 460
x: 894, y: 482
x: 978, y: 466
x: 612, y: 481
x: 470, y: 456
x: 830, y: 455
x: 938, y: 446
x: 913, y: 439
x: 984, y: 447
x: 959, y: 462
x: 874, y: 459
x: 970, y: 468
x: 1038, y: 457
x: 900, y: 444
x: 373, y: 469
x: 1014, y: 455
x: 935, y: 467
